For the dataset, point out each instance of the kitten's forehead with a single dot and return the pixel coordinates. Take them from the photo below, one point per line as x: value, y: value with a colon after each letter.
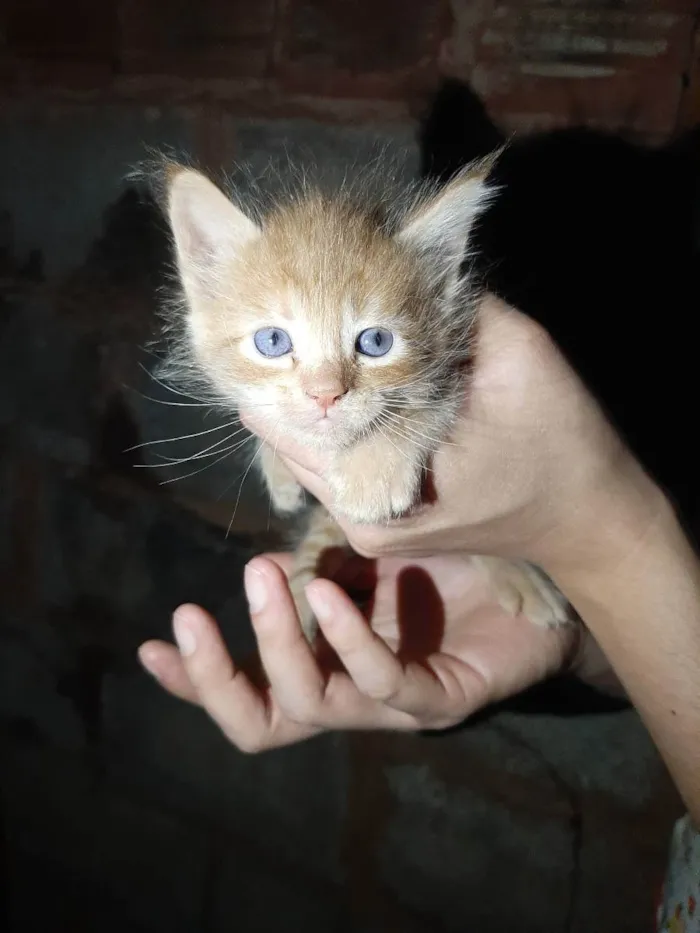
x: 330, y: 258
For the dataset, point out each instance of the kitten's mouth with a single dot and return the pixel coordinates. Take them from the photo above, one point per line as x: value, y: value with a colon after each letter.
x: 327, y: 419
x: 329, y: 428
x: 325, y: 424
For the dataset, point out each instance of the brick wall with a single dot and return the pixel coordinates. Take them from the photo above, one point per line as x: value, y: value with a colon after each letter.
x: 627, y: 64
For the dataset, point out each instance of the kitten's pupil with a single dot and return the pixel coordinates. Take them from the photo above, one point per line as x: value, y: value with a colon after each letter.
x: 375, y: 341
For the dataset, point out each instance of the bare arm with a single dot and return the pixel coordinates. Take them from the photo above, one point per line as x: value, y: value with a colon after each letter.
x: 639, y: 592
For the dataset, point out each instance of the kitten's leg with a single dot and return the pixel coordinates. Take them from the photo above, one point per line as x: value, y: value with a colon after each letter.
x: 523, y: 588
x: 286, y: 494
x: 322, y: 534
x: 377, y: 479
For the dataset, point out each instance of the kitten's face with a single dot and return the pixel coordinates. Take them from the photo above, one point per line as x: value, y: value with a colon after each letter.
x: 321, y: 322
x: 323, y: 331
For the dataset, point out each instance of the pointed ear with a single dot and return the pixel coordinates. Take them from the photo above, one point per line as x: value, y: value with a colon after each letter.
x: 440, y: 225
x: 208, y: 229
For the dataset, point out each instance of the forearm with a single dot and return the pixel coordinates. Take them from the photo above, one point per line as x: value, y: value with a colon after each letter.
x: 640, y: 597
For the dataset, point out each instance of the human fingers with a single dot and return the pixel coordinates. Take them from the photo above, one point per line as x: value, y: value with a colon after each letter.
x: 240, y: 710
x: 294, y: 675
x: 304, y: 693
x: 408, y: 689
x: 163, y: 661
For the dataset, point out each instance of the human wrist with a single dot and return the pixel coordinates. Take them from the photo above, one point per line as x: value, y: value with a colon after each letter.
x: 613, y: 516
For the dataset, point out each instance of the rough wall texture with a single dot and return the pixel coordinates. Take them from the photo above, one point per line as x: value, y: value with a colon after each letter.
x: 620, y: 64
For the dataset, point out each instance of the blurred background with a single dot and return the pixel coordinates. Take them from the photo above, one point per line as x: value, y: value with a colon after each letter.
x: 122, y: 809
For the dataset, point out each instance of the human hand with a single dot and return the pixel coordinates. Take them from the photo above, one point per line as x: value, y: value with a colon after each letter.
x: 530, y: 470
x: 437, y: 649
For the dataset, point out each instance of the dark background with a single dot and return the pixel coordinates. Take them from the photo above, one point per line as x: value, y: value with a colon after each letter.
x: 120, y: 808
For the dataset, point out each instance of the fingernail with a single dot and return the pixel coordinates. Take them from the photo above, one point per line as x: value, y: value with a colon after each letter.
x: 255, y: 588
x: 149, y: 660
x: 317, y: 601
x: 184, y: 634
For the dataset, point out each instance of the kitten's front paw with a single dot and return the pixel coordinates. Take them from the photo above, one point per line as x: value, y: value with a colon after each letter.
x: 369, y: 493
x: 286, y: 494
x: 287, y: 497
x: 523, y: 589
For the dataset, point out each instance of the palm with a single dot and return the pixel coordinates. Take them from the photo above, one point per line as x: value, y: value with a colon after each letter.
x: 439, y: 612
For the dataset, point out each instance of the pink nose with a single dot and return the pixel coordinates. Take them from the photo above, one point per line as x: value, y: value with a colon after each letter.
x: 325, y: 400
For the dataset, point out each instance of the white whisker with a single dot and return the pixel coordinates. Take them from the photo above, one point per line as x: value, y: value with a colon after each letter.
x: 170, y: 388
x: 210, y: 451
x: 404, y: 437
x: 228, y: 453
x: 387, y: 438
x: 183, y: 437
x: 404, y: 425
x: 240, y: 487
x: 161, y: 401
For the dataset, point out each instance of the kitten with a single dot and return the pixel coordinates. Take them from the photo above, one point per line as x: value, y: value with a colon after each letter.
x: 348, y: 326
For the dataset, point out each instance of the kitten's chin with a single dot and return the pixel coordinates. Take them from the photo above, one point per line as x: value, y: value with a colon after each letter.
x: 324, y: 434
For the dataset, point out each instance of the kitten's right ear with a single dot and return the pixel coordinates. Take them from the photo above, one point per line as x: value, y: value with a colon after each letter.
x: 208, y: 229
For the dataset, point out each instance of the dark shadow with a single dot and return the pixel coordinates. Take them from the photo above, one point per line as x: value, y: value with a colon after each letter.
x: 428, y: 493
x: 421, y: 615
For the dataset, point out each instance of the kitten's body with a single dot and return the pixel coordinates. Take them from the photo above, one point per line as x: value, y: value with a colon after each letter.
x: 348, y: 327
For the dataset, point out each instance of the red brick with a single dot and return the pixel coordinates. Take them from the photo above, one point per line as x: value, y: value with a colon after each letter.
x: 549, y: 63
x: 359, y: 48
x: 643, y: 105
x: 207, y: 38
x: 599, y: 38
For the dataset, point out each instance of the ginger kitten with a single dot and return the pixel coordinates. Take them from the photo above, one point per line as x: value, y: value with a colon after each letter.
x: 348, y: 326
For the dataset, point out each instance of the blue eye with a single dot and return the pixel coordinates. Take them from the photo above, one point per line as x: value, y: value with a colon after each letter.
x: 272, y: 341
x: 375, y: 341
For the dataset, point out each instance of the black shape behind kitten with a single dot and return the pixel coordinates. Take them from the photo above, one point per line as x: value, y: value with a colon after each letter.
x: 596, y: 238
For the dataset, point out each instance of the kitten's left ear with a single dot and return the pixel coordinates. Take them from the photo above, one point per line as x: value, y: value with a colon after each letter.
x: 441, y: 225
